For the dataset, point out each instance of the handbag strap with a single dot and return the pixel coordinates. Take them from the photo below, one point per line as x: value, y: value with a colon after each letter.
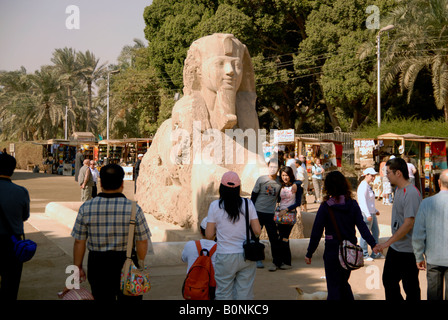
x: 246, y: 214
x: 333, y: 219
x: 248, y: 227
x: 131, y: 230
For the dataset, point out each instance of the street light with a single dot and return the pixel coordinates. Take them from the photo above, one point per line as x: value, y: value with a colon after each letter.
x: 66, y: 123
x: 108, y: 92
x: 387, y: 28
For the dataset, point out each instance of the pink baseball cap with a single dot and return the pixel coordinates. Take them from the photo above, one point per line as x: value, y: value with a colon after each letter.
x: 230, y: 179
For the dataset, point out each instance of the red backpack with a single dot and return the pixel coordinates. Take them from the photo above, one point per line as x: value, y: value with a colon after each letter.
x: 200, y: 282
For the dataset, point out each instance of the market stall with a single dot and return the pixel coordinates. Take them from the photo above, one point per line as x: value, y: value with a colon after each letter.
x: 428, y: 154
x: 86, y: 141
x: 123, y: 152
x: 328, y: 151
x: 366, y: 154
x: 58, y: 156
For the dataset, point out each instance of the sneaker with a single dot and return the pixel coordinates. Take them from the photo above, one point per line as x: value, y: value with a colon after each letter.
x: 272, y: 268
x: 285, y: 267
x: 379, y: 256
x: 368, y: 259
x: 260, y: 265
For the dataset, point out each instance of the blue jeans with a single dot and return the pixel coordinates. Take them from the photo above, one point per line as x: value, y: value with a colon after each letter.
x: 234, y: 277
x: 375, y: 230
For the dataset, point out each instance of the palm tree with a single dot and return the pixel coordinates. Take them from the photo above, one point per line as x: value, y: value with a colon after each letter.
x: 420, y: 42
x: 15, y: 104
x: 89, y: 71
x: 65, y: 63
x: 47, y: 114
x: 129, y: 54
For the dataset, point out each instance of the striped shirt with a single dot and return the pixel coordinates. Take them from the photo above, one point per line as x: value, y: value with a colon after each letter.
x: 104, y: 223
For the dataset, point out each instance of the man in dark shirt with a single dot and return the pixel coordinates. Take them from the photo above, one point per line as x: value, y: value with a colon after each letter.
x: 137, y: 170
x: 14, y: 209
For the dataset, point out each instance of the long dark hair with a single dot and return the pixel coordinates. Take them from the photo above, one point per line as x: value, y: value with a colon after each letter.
x: 335, y: 185
x: 290, y: 173
x: 230, y: 200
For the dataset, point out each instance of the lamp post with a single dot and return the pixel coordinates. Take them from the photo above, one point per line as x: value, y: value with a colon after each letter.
x: 66, y: 123
x: 108, y: 93
x: 387, y: 28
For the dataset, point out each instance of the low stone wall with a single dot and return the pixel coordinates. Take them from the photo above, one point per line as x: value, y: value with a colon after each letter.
x: 166, y: 251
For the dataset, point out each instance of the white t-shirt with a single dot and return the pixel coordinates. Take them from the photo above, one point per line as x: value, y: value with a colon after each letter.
x: 292, y: 164
x: 411, y: 169
x: 230, y: 236
x: 302, y: 175
x: 190, y: 252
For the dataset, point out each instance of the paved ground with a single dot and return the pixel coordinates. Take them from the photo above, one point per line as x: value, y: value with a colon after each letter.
x: 45, y: 274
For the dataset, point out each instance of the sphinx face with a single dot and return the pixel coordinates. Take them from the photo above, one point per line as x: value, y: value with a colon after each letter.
x: 222, y: 73
x: 221, y: 76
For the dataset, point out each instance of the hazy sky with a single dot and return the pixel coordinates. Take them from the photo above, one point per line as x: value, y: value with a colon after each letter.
x: 30, y: 30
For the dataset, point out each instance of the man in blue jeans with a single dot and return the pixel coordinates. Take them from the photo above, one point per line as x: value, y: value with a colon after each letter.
x: 400, y: 264
x: 366, y: 202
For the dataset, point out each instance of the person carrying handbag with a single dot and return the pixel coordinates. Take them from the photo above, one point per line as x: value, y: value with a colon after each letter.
x: 347, y: 216
x: 226, y: 220
x: 15, y: 209
x: 290, y: 198
x: 102, y: 225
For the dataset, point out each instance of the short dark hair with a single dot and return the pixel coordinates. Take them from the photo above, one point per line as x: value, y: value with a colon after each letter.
x: 7, y: 164
x: 400, y: 165
x: 111, y: 176
x: 274, y: 161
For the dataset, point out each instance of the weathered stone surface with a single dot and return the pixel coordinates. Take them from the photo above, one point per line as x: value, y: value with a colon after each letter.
x: 180, y: 173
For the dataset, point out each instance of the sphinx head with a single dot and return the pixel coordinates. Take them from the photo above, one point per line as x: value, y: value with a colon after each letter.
x: 215, y: 67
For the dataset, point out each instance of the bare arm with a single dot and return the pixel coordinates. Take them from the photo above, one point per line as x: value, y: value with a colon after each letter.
x: 79, y: 248
x: 141, y: 248
x: 400, y: 233
x: 210, y: 230
x: 256, y: 227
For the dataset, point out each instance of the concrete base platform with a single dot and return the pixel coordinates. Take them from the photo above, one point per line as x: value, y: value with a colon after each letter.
x: 168, y: 239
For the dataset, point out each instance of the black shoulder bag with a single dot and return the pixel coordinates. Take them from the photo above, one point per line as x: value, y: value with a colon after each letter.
x: 253, y: 248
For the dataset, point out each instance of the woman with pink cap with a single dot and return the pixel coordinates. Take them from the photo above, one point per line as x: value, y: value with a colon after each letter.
x: 226, y: 219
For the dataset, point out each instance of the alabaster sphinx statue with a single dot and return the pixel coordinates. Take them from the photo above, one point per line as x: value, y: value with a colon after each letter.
x: 213, y: 128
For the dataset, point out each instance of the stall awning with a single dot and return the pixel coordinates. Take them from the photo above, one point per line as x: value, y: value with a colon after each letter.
x: 124, y: 141
x: 82, y: 137
x: 410, y: 137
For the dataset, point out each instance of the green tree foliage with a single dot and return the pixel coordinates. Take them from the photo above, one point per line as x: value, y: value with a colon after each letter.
x: 138, y: 104
x: 401, y: 125
x: 33, y: 106
x: 419, y: 44
x: 89, y: 71
x: 335, y: 30
x: 272, y: 31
